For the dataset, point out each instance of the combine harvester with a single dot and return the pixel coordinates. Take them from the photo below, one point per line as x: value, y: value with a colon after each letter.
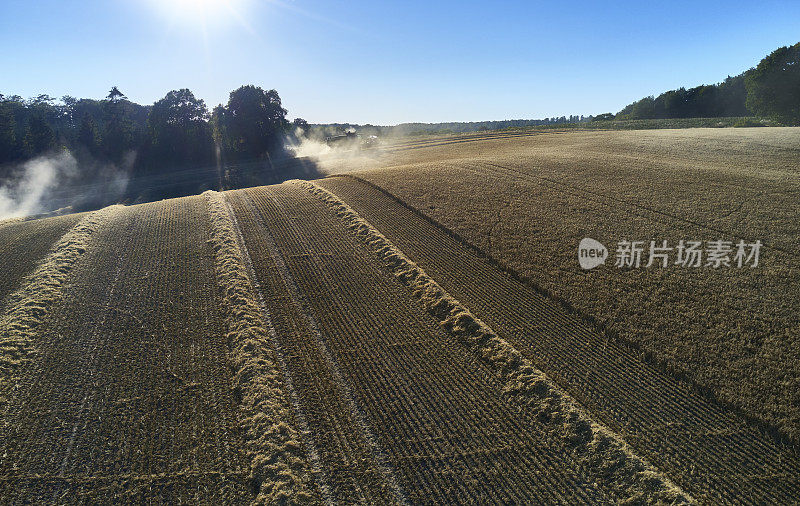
x: 351, y: 139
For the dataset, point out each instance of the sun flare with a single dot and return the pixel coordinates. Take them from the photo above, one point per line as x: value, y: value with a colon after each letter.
x: 200, y: 13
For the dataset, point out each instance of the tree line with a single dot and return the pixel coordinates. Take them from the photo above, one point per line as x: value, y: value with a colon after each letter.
x: 769, y: 90
x: 479, y: 126
x: 177, y: 131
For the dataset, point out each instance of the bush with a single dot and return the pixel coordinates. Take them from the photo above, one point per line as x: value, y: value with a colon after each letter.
x: 747, y: 122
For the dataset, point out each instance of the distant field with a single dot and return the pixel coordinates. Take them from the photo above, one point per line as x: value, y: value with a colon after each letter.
x: 527, y: 202
x: 415, y: 329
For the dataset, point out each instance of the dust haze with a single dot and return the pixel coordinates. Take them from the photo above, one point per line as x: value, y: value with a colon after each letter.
x: 345, y: 156
x: 58, y: 183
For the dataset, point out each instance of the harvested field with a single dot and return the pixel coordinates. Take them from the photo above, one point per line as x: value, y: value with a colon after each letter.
x: 22, y: 244
x: 400, y: 410
x: 24, y: 309
x: 705, y: 448
x: 129, y: 395
x: 732, y: 332
x: 419, y: 332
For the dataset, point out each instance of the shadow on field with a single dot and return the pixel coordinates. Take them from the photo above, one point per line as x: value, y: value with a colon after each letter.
x: 266, y: 172
x: 181, y: 182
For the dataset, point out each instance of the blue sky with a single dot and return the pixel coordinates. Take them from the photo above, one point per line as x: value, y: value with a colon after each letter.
x: 385, y: 62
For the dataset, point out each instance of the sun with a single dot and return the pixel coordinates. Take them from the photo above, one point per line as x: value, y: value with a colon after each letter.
x: 200, y: 13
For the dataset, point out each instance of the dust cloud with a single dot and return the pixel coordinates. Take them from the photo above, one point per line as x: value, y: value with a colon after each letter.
x: 344, y: 156
x: 58, y: 183
x: 31, y: 183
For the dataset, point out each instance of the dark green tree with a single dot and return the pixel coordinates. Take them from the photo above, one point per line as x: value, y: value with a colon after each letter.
x: 8, y: 134
x: 773, y: 87
x: 179, y: 129
x: 118, y: 135
x: 255, y: 121
x: 115, y: 96
x: 219, y: 128
x: 708, y: 101
x: 39, y: 137
x: 67, y: 113
x: 300, y: 123
x: 732, y: 96
x: 88, y: 136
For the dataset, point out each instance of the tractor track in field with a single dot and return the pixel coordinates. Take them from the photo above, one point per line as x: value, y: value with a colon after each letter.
x: 706, y: 448
x: 345, y: 391
x: 322, y: 399
x: 313, y: 454
x: 438, y: 412
x: 89, y: 363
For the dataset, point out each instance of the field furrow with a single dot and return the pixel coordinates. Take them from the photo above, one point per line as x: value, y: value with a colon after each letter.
x: 24, y: 309
x: 351, y: 462
x: 356, y: 468
x: 23, y: 244
x: 706, y: 449
x: 440, y: 423
x: 130, y: 395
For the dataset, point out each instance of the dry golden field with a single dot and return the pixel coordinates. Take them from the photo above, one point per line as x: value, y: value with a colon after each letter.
x: 415, y: 329
x: 527, y: 202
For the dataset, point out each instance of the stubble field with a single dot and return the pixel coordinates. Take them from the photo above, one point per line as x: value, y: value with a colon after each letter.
x: 417, y: 330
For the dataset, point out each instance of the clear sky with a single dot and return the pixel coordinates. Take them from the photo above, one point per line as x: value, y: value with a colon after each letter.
x: 386, y: 62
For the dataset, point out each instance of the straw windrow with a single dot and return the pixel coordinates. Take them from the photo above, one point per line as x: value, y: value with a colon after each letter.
x: 26, y: 308
x: 279, y: 472
x: 604, y: 457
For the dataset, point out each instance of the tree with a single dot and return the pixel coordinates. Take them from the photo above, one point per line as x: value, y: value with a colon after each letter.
x: 118, y: 129
x: 41, y: 100
x: 179, y: 130
x: 708, y: 101
x: 219, y: 128
x: 302, y: 125
x: 88, y: 136
x: 773, y: 87
x: 179, y: 108
x: 114, y: 95
x: 732, y: 96
x: 8, y: 134
x: 39, y: 137
x: 68, y: 110
x: 255, y: 121
x: 176, y: 131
